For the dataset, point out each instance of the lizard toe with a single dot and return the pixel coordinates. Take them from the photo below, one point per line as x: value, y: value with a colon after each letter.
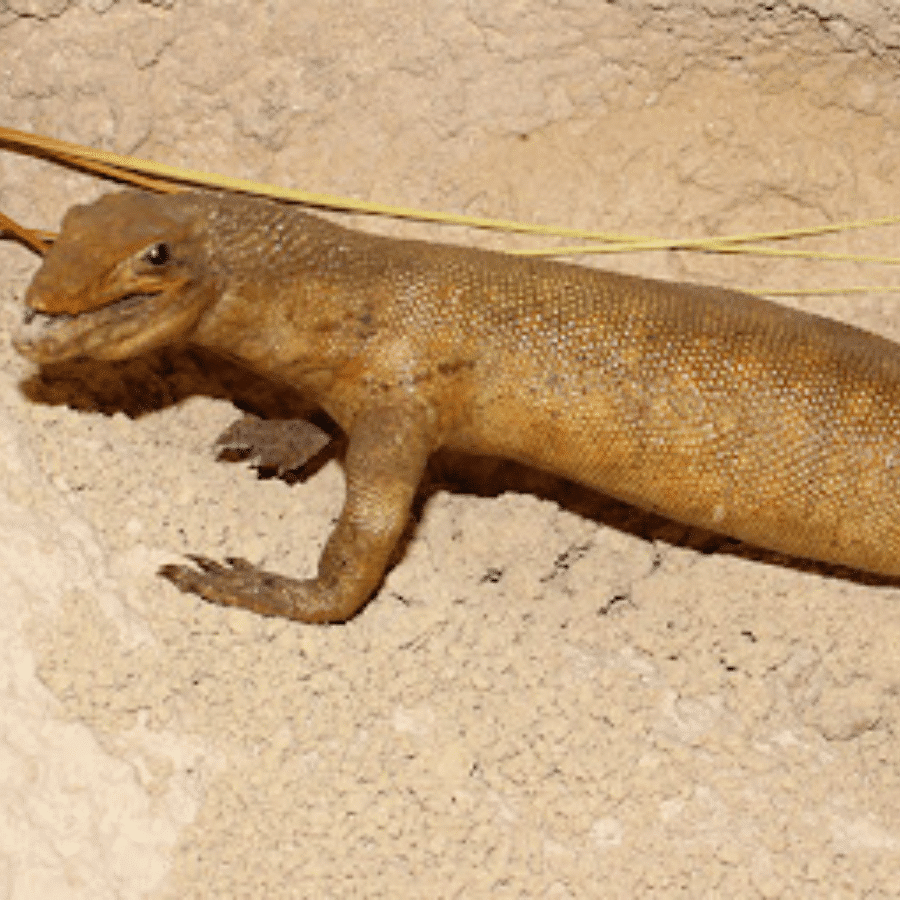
x: 183, y: 577
x: 208, y: 565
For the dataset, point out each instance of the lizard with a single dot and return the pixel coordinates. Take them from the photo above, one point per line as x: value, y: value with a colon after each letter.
x: 708, y: 406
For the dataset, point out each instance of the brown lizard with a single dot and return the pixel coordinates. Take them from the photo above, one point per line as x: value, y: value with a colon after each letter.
x: 708, y: 406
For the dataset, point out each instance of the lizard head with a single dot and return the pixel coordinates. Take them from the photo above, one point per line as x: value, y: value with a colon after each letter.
x: 125, y: 275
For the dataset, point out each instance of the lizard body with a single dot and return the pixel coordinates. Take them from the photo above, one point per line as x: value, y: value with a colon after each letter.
x: 705, y: 405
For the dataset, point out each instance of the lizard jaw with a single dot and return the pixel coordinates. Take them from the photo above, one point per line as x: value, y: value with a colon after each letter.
x: 122, y: 329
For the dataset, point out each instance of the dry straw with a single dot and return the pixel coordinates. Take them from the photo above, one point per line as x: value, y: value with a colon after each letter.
x: 166, y: 178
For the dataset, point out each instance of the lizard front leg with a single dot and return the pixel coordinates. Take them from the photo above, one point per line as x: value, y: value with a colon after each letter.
x: 386, y: 456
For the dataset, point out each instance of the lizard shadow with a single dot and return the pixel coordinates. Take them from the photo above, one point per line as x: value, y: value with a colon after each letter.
x: 491, y: 477
x: 155, y: 381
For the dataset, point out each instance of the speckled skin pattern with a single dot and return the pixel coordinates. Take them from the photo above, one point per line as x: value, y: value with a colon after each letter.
x: 708, y: 406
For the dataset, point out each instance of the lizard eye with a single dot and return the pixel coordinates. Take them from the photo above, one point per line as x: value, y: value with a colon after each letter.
x: 158, y: 254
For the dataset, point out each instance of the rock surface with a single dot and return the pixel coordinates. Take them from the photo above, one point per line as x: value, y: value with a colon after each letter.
x: 540, y: 700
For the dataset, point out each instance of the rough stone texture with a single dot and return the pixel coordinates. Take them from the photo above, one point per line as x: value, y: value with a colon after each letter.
x: 537, y: 703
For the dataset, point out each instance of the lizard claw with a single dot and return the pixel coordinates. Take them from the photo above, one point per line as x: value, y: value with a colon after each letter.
x: 210, y: 566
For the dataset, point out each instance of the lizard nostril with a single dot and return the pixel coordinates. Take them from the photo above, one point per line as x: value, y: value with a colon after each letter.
x: 30, y: 313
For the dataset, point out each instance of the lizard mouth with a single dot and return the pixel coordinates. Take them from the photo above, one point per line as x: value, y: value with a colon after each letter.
x: 102, y: 333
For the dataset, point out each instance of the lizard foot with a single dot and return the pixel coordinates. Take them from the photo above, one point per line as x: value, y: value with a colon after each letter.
x: 240, y: 583
x: 281, y: 444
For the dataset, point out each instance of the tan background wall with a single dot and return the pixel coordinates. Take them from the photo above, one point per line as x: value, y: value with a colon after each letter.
x: 536, y: 704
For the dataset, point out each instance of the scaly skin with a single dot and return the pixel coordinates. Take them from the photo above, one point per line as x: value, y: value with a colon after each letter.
x: 707, y: 406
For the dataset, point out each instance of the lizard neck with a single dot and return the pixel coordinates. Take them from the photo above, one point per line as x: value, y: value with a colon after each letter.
x: 294, y: 292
